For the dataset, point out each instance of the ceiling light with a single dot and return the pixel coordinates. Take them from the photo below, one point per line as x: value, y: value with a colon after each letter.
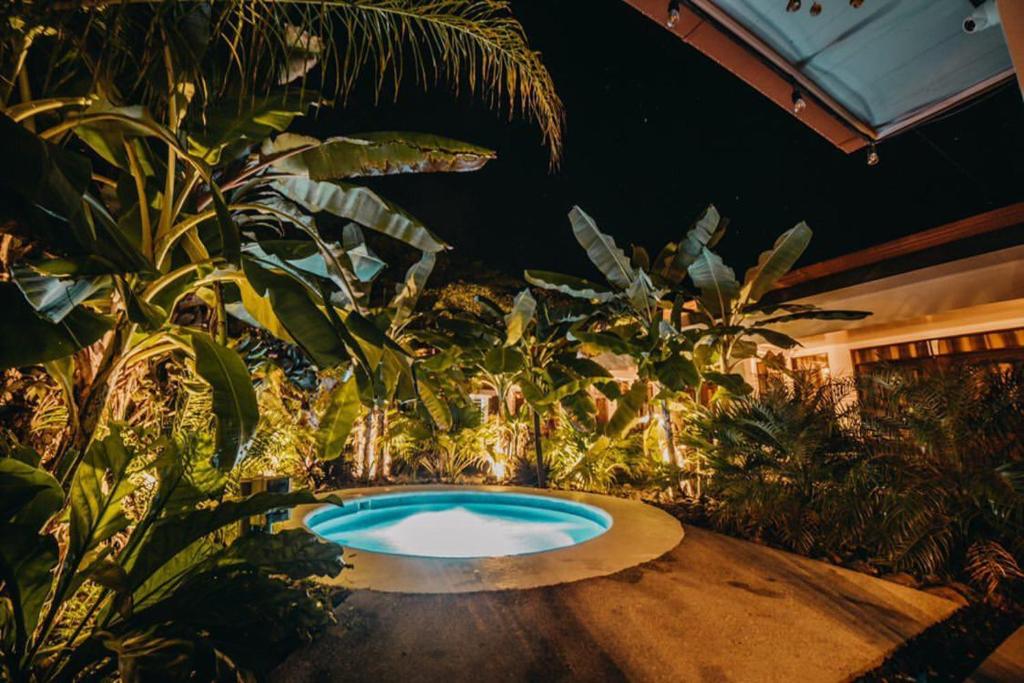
x: 673, y: 14
x: 873, y: 157
x: 799, y: 103
x: 793, y: 6
x: 815, y: 9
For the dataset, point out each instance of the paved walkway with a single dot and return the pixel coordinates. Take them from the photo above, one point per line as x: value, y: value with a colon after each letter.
x: 713, y: 609
x: 1005, y: 665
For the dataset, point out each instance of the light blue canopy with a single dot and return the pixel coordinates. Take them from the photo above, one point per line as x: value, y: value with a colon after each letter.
x: 884, y: 61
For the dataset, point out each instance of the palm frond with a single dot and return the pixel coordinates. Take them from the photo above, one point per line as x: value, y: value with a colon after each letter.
x: 248, y: 48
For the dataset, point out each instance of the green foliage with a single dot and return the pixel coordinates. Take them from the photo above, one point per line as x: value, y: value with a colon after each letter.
x: 162, y: 591
x: 786, y: 466
x: 948, y: 448
x: 920, y: 472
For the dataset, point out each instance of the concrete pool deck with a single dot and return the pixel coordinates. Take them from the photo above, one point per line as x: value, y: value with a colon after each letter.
x: 713, y: 609
x: 639, y: 533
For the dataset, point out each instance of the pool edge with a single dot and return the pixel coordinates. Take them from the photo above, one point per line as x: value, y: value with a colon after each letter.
x: 639, y: 533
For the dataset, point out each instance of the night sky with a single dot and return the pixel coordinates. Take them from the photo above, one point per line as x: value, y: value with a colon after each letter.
x: 655, y: 131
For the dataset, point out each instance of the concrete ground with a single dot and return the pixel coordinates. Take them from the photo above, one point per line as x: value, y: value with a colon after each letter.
x: 1005, y: 665
x: 713, y: 609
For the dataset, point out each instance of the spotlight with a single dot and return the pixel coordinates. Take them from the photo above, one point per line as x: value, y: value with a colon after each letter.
x: 799, y: 103
x: 673, y: 14
x: 815, y: 9
x: 793, y: 6
x: 856, y: 3
x: 873, y: 157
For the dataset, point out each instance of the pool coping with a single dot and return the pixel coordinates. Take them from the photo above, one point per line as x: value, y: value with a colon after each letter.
x: 639, y: 533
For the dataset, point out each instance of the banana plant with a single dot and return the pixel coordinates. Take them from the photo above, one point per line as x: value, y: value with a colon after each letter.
x: 531, y: 347
x: 734, y: 318
x: 89, y: 592
x: 118, y: 253
x: 634, y: 322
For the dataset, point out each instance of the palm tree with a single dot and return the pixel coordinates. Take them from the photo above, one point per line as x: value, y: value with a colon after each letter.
x: 249, y: 48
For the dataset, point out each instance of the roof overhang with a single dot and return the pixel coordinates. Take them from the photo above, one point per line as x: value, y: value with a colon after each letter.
x: 865, y: 74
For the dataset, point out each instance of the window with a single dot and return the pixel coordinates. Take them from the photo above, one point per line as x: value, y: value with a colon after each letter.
x: 1001, y: 346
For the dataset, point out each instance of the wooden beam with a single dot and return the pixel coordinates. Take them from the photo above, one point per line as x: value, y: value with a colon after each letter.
x: 982, y: 223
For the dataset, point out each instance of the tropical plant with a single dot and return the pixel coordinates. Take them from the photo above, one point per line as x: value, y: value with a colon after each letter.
x: 678, y: 340
x: 185, y: 190
x: 530, y: 348
x: 950, y: 455
x: 575, y: 462
x: 445, y: 455
x: 787, y: 466
x: 89, y: 590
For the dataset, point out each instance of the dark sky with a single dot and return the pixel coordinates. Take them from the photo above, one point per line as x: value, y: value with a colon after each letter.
x: 655, y: 131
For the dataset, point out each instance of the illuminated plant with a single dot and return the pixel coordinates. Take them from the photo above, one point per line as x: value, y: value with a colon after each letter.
x: 88, y: 591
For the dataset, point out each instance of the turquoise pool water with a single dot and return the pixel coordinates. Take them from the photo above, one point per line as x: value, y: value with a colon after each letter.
x: 456, y: 524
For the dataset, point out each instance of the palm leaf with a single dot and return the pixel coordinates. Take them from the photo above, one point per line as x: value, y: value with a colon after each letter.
x: 716, y: 281
x: 776, y: 262
x: 374, y: 154
x: 361, y: 205
x: 602, y: 250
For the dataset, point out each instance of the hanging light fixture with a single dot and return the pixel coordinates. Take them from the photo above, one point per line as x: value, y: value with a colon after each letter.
x: 799, y: 103
x: 873, y: 157
x: 673, y: 14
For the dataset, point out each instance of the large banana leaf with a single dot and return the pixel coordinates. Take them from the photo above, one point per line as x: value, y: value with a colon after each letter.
x: 374, y: 154
x: 676, y: 258
x: 776, y: 262
x: 174, y: 534
x: 408, y: 293
x: 27, y: 563
x: 257, y: 310
x: 524, y: 307
x: 606, y: 342
x: 601, y: 249
x: 234, y: 123
x: 99, y: 485
x: 438, y: 410
x: 365, y: 264
x: 234, y: 399
x: 49, y: 180
x: 677, y: 373
x: 627, y: 410
x: 78, y: 329
x: 300, y: 315
x: 502, y: 360
x: 342, y: 409
x: 52, y: 288
x: 567, y: 284
x: 716, y: 281
x: 817, y: 314
x: 361, y: 205
x: 28, y: 495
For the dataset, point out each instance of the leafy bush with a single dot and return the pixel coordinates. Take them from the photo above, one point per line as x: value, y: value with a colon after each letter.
x: 448, y: 456
x: 169, y: 592
x: 949, y: 449
x: 786, y: 466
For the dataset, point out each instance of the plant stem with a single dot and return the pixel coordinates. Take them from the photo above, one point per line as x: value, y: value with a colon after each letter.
x: 539, y: 451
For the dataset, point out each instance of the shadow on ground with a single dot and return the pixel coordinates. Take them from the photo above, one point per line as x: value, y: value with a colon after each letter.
x: 713, y: 609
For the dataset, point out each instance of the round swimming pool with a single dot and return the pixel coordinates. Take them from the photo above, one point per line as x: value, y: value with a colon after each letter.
x: 458, y: 524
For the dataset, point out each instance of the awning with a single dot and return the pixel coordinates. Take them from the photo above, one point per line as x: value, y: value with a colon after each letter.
x: 865, y: 72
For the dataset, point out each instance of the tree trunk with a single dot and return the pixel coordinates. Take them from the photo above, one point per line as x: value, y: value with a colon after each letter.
x: 383, y: 459
x: 538, y: 450
x: 670, y: 443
